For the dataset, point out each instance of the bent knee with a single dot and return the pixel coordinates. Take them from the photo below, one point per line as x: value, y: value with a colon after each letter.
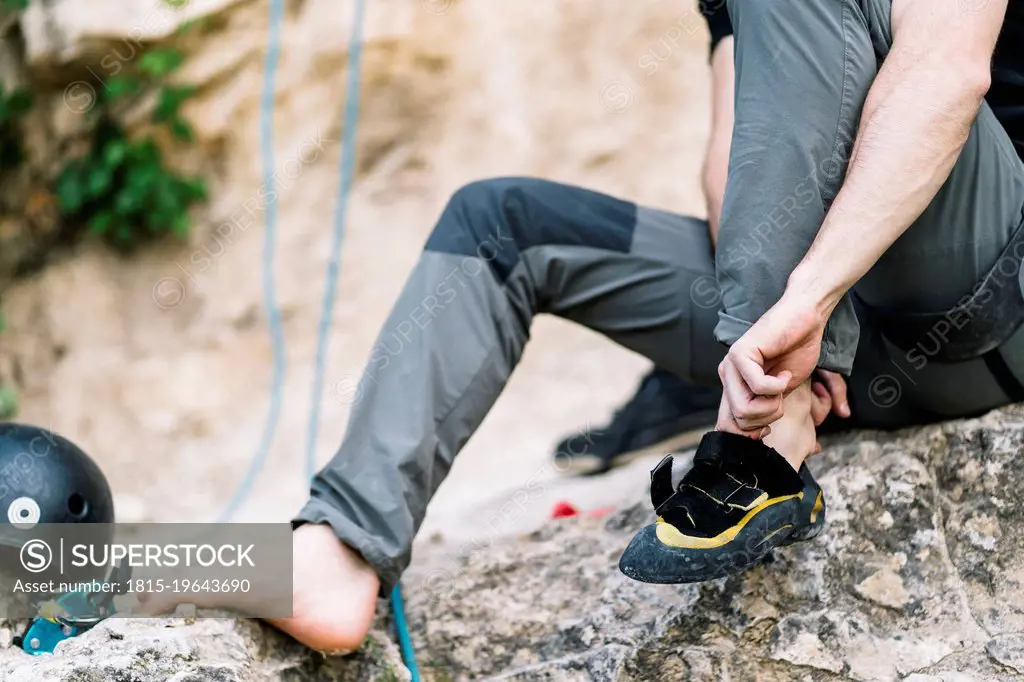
x: 490, y: 193
x: 497, y: 220
x: 478, y: 205
x: 482, y: 220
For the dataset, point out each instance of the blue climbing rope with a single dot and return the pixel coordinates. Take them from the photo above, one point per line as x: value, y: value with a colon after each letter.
x: 345, y: 175
x: 404, y: 638
x: 350, y: 120
x: 269, y: 290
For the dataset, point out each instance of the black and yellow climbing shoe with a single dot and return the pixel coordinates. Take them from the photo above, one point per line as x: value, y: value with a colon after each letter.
x: 740, y: 500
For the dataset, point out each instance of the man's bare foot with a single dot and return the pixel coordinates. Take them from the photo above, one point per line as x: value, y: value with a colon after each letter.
x: 793, y: 435
x: 334, y: 594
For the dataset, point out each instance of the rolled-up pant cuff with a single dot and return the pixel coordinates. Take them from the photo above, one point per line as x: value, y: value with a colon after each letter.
x: 837, y: 357
x: 832, y: 356
x: 729, y: 329
x: 318, y: 511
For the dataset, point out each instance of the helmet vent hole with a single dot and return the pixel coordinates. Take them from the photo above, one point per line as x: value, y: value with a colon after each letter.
x: 77, y: 506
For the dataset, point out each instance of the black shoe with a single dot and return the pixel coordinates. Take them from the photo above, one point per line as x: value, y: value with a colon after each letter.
x: 666, y: 413
x: 740, y: 500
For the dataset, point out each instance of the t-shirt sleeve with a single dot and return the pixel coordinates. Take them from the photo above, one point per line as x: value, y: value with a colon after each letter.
x: 717, y: 15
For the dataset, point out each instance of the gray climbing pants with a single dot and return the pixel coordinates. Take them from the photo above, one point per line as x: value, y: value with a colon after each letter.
x: 506, y: 250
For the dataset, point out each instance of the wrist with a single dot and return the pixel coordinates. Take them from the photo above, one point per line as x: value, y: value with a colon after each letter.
x: 814, y: 290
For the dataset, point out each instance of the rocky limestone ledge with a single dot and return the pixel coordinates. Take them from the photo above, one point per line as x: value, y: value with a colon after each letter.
x: 918, y: 577
x: 206, y: 650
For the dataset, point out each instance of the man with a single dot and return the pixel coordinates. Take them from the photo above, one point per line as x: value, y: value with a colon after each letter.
x: 925, y: 218
x: 864, y: 165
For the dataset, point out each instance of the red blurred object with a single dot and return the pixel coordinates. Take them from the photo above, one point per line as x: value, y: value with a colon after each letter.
x: 564, y: 510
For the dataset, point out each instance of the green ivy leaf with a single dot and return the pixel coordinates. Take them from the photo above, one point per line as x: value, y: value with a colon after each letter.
x: 121, y: 189
x: 159, y: 220
x: 114, y: 152
x: 194, y: 189
x: 97, y: 181
x: 181, y: 130
x: 165, y: 198
x: 180, y: 224
x: 129, y: 200
x: 8, y: 402
x: 101, y: 222
x: 160, y: 61
x: 122, y: 86
x: 143, y: 180
x: 13, y: 105
x: 69, y: 192
x: 20, y: 102
x: 146, y: 152
x: 123, y: 232
x: 169, y: 101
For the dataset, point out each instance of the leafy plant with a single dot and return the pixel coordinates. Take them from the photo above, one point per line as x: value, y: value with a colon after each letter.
x: 121, y: 188
x: 13, y: 106
x: 14, y: 5
x: 8, y: 402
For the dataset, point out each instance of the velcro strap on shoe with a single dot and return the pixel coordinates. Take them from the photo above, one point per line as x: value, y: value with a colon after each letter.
x: 661, y: 482
x: 732, y: 452
x: 745, y: 498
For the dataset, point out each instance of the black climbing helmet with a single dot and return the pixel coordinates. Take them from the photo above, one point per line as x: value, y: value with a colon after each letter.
x: 45, y: 478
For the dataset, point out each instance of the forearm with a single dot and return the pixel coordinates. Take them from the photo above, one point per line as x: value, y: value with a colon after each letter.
x: 715, y: 172
x: 915, y: 121
x: 716, y: 158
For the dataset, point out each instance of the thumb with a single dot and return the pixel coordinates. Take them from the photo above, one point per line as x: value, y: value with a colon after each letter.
x: 770, y: 334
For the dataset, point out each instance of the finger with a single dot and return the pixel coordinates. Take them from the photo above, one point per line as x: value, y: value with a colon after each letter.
x: 821, y: 403
x: 752, y: 425
x: 748, y: 410
x: 726, y: 422
x: 756, y: 415
x: 757, y: 380
x: 817, y: 448
x: 837, y: 388
x: 730, y: 425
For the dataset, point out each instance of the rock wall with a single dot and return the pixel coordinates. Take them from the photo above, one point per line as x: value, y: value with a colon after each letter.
x: 159, y: 365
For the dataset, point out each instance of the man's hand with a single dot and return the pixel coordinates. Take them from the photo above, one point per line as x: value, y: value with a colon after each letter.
x: 778, y: 353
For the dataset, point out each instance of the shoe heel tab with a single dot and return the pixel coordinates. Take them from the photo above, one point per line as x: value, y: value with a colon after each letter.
x: 721, y: 445
x: 661, y: 481
x: 731, y: 450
